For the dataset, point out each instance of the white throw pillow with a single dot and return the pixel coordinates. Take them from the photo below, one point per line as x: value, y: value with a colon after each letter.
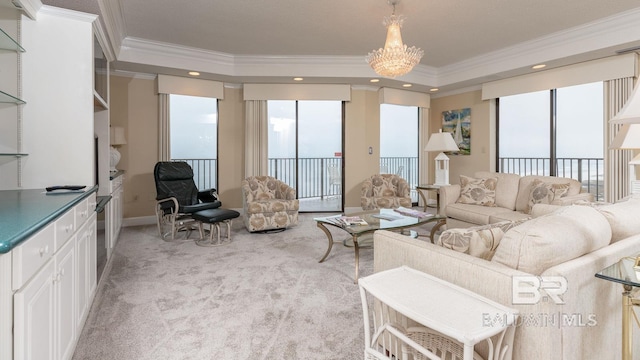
x: 623, y: 216
x: 552, y: 239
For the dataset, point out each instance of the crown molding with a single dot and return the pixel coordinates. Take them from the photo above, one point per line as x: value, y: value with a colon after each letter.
x: 621, y: 28
x: 30, y: 7
x: 113, y: 18
x: 133, y: 75
x: 68, y: 14
x: 563, y: 48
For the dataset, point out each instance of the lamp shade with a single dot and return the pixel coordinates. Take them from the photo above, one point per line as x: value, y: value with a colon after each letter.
x: 441, y: 141
x: 627, y: 138
x: 630, y: 112
x: 117, y: 136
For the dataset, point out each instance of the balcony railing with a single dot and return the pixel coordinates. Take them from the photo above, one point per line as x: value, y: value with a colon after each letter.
x: 588, y: 171
x: 321, y: 177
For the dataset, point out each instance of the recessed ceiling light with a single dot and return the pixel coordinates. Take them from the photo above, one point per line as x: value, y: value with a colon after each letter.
x: 298, y: 79
x: 374, y: 80
x: 539, y: 66
x: 434, y: 89
x: 407, y: 85
x: 194, y: 73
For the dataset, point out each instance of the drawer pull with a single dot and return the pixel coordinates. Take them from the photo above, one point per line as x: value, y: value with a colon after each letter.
x: 43, y: 250
x: 68, y: 229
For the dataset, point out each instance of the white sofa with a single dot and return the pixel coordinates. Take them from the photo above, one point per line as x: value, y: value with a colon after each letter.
x: 588, y: 324
x: 512, y: 196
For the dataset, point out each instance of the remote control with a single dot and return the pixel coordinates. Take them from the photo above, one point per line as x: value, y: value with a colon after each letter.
x: 66, y: 187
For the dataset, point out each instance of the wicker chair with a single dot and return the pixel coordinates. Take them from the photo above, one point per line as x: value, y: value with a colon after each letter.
x: 385, y: 191
x: 268, y: 204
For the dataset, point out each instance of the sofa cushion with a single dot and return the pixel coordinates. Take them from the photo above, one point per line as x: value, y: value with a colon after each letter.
x: 506, y: 189
x: 549, y: 240
x: 524, y: 188
x: 477, y: 191
x: 479, y: 241
x: 623, y: 217
x: 545, y: 193
x: 473, y: 213
x: 508, y: 216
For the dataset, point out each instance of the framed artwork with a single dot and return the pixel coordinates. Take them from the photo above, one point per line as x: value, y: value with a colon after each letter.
x: 458, y: 123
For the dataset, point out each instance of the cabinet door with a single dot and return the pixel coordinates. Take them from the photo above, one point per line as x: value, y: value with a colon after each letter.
x: 86, y: 270
x: 33, y: 334
x: 65, y: 295
x: 82, y: 250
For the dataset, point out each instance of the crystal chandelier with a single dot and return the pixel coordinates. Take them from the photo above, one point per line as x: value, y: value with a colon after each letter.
x: 396, y: 59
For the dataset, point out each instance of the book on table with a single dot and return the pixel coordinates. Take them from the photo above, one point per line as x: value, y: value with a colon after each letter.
x: 412, y: 212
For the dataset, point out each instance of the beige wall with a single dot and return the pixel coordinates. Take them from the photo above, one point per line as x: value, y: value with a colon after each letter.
x: 483, y: 135
x: 134, y: 105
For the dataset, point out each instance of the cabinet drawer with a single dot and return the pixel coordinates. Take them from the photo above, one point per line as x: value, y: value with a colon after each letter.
x: 82, y: 212
x: 65, y: 227
x: 29, y: 256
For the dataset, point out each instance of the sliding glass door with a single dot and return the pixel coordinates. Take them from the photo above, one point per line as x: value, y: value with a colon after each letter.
x: 305, y: 151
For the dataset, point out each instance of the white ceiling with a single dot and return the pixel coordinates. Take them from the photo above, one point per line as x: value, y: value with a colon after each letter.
x: 466, y: 42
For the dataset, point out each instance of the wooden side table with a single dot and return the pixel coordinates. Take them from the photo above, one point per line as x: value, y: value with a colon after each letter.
x: 427, y: 187
x: 404, y: 296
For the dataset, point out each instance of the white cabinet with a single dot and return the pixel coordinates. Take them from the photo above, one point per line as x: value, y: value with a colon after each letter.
x: 33, y: 324
x: 115, y: 209
x: 65, y: 298
x: 87, y: 280
x: 54, y: 289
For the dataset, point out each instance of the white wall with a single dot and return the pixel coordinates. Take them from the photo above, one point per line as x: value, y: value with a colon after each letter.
x: 58, y: 89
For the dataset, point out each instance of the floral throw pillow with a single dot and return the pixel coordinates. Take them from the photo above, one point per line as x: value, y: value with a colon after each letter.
x: 479, y: 243
x: 545, y: 193
x: 477, y: 191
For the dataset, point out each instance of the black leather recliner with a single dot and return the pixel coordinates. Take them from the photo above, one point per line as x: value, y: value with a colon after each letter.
x: 178, y: 197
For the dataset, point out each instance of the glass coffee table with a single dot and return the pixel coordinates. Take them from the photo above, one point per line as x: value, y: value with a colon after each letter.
x: 625, y: 272
x: 381, y: 219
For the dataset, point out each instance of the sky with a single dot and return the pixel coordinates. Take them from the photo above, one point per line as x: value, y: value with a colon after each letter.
x: 524, y: 126
x: 524, y: 123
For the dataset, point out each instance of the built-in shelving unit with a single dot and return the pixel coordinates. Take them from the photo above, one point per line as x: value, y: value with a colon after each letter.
x: 10, y: 99
x: 7, y: 43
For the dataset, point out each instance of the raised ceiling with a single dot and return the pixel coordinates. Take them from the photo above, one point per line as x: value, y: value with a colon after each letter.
x: 466, y: 42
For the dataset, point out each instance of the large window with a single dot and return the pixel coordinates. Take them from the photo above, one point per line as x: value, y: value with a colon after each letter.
x: 305, y: 150
x: 557, y: 132
x: 194, y: 136
x: 399, y: 143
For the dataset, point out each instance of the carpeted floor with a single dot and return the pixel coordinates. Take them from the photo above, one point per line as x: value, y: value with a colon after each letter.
x: 263, y: 296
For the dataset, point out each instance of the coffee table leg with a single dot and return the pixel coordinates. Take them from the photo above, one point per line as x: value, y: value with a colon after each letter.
x: 436, y: 227
x: 329, y: 237
x: 356, y: 248
x: 424, y: 199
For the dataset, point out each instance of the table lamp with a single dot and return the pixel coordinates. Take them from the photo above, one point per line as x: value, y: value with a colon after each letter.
x: 117, y: 139
x: 441, y: 141
x: 628, y: 137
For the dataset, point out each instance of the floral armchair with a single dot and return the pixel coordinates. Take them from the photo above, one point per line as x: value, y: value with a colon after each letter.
x: 385, y: 191
x: 268, y: 204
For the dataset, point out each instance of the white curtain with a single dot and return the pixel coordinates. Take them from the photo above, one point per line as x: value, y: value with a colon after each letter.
x: 616, y: 93
x: 256, y: 138
x: 164, y: 149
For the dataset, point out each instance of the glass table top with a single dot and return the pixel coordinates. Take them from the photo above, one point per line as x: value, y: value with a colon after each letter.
x: 377, y: 220
x: 626, y: 271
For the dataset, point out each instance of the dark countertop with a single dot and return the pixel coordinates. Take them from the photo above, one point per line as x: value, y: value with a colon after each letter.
x: 25, y: 212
